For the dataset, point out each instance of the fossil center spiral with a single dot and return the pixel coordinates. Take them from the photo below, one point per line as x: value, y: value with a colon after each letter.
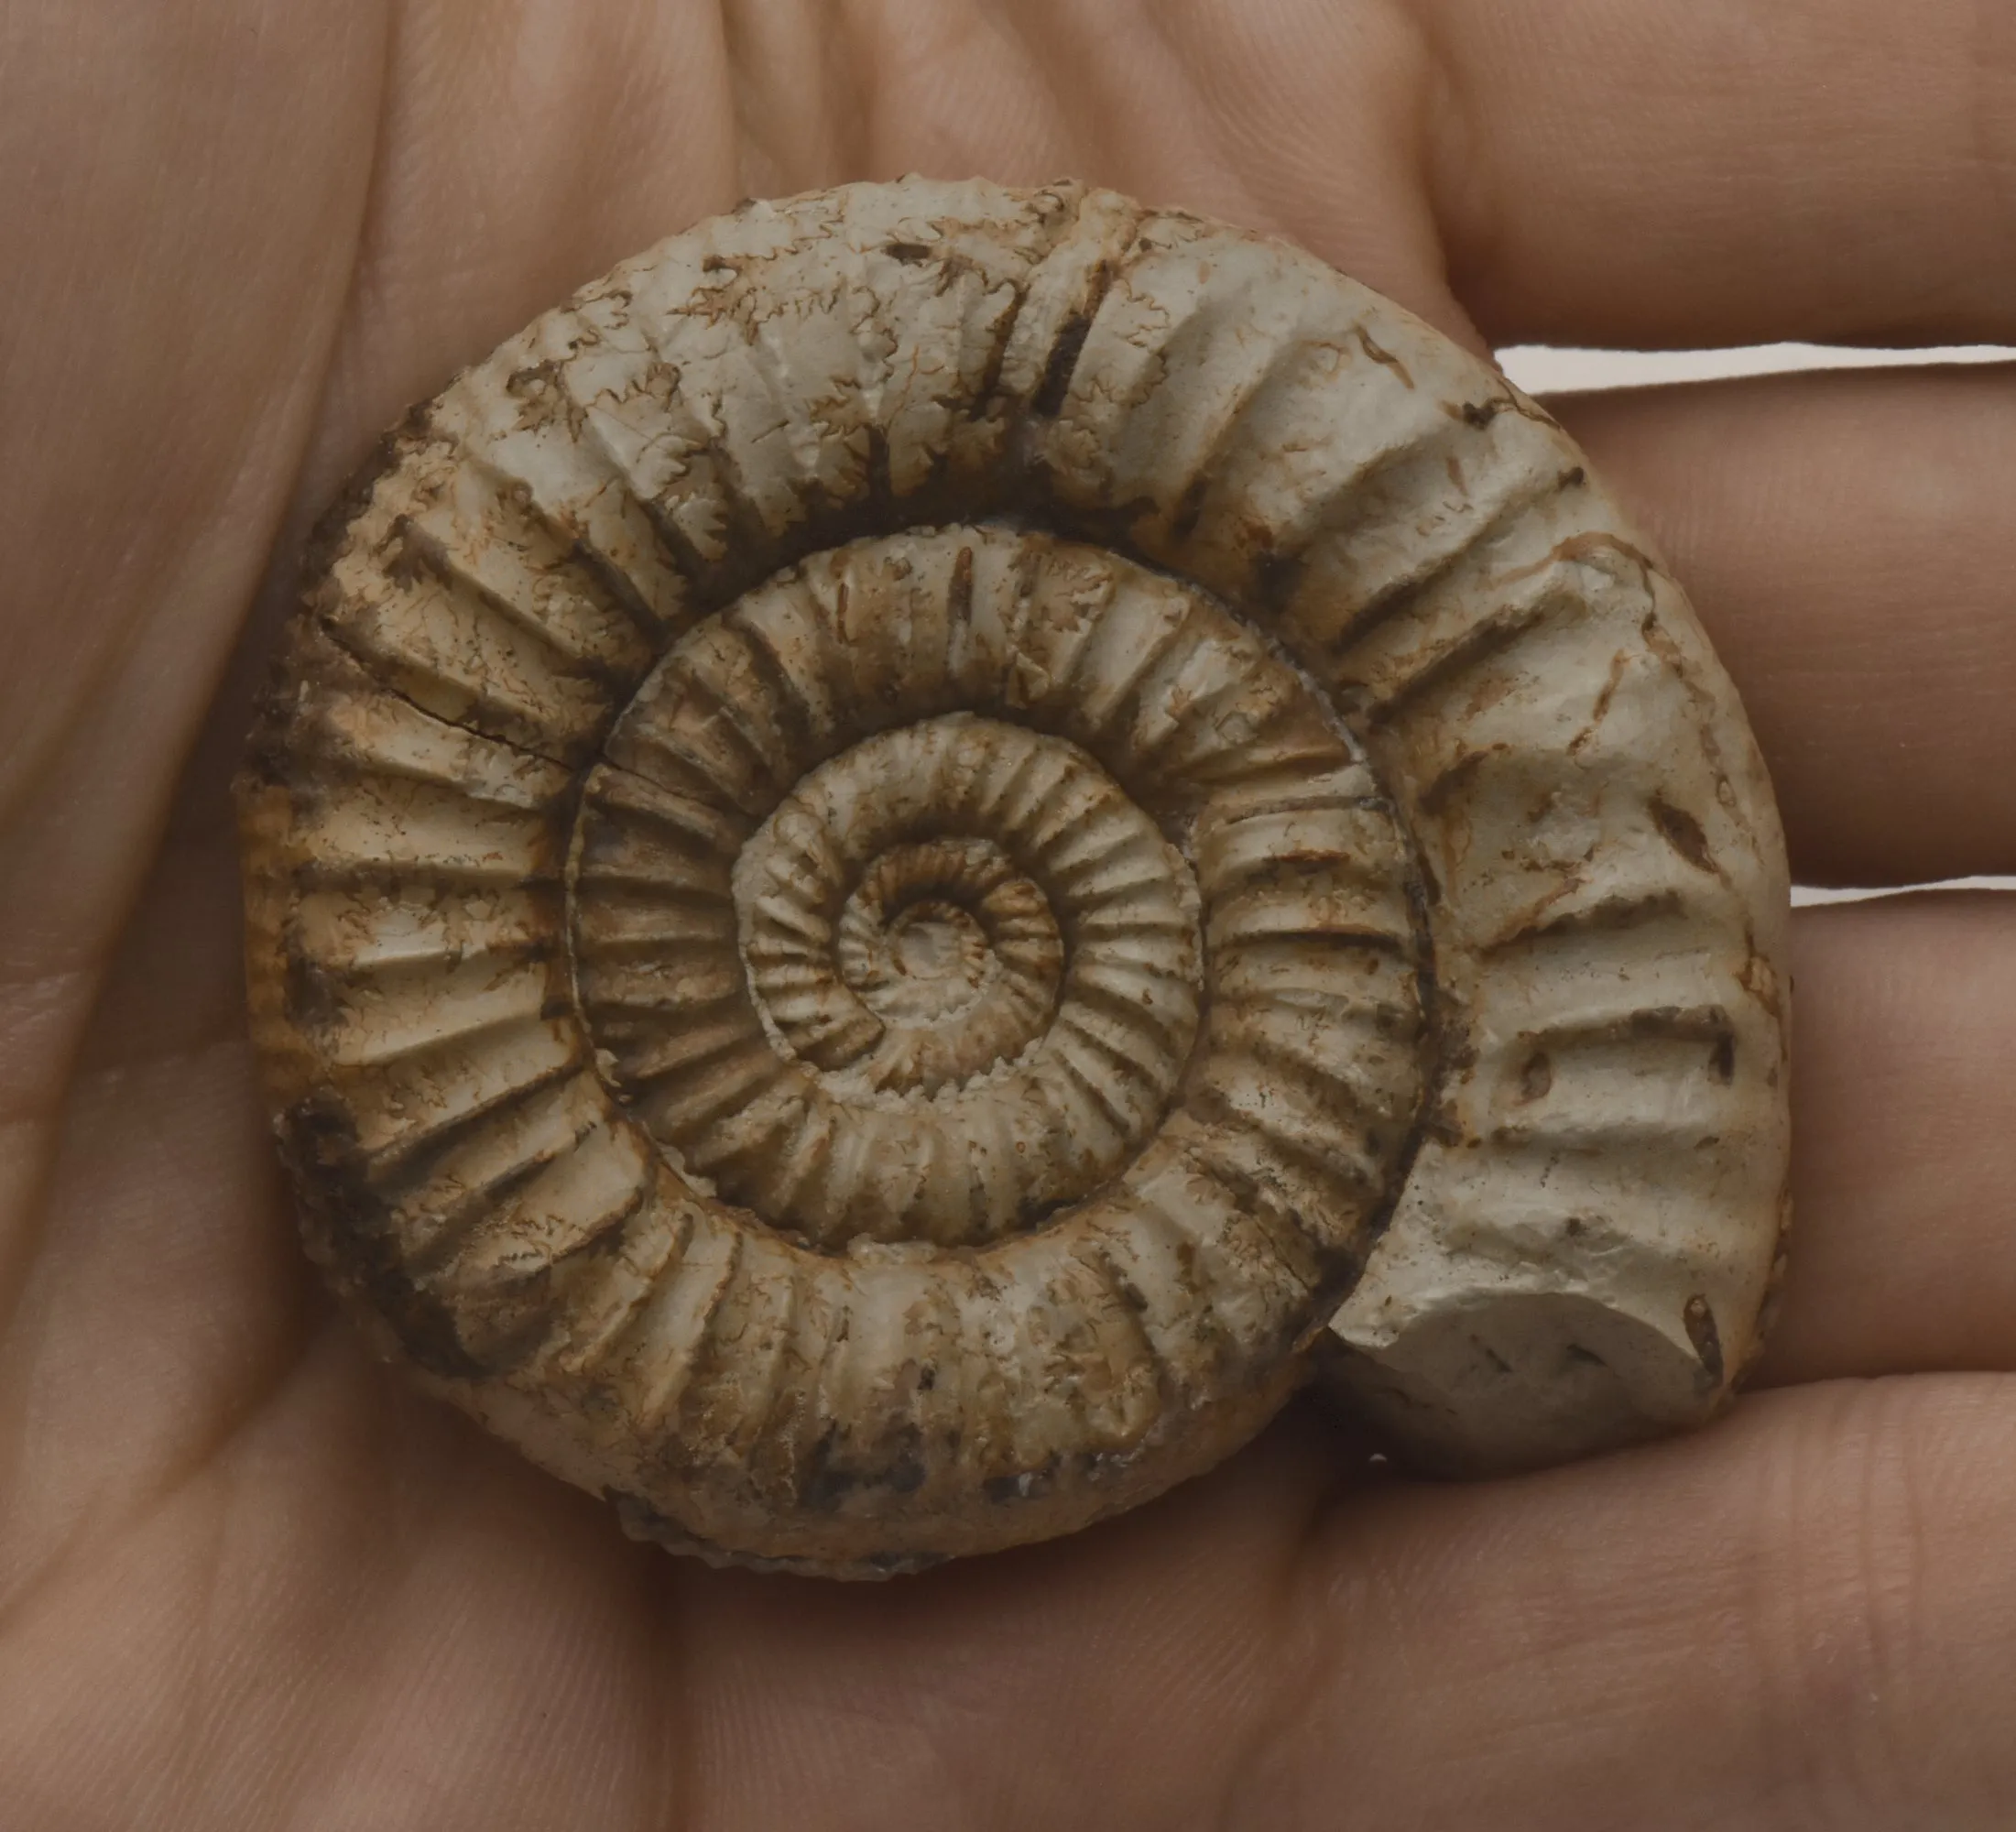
x: 947, y: 953
x: 934, y: 884
x: 914, y: 912
x: 917, y: 953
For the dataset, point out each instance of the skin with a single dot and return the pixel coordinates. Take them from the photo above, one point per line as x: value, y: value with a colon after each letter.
x: 245, y: 1581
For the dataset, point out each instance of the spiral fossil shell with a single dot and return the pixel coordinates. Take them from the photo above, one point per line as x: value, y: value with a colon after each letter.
x: 895, y: 850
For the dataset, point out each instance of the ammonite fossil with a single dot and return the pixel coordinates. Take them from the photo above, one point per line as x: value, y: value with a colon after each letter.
x: 895, y: 850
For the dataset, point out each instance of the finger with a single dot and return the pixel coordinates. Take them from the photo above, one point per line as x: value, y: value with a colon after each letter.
x: 1847, y: 542
x: 1668, y: 172
x: 1736, y: 172
x: 1802, y: 1616
x: 1904, y: 1244
x: 1660, y: 173
x: 1805, y: 1615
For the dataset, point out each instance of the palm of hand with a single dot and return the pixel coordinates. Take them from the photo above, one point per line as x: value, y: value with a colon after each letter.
x: 245, y: 1581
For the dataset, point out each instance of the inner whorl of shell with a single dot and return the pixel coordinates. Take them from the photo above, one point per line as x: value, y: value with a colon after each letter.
x: 789, y: 828
x: 886, y: 844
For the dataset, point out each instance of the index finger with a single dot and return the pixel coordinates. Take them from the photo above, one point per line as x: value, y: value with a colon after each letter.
x: 1743, y: 171
x: 1630, y: 172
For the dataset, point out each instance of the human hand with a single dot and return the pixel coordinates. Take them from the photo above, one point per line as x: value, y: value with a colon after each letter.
x: 247, y: 1581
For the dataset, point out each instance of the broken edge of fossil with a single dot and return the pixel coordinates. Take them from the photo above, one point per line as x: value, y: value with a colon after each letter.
x: 1340, y: 825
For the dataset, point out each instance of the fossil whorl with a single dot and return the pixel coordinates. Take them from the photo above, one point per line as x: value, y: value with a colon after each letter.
x: 889, y: 849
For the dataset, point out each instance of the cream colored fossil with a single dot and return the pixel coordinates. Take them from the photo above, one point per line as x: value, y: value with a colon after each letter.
x: 893, y: 850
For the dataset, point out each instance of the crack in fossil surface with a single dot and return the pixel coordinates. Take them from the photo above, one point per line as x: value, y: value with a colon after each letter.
x: 901, y: 848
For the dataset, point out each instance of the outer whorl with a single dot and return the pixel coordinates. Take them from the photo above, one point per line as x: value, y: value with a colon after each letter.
x: 892, y: 851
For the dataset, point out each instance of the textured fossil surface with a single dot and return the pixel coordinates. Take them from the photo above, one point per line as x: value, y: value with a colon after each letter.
x: 894, y: 851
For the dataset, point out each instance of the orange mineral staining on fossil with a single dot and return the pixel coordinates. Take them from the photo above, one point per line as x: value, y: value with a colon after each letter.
x: 902, y: 853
